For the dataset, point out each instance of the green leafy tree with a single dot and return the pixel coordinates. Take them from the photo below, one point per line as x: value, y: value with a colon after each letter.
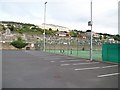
x: 19, y: 43
x: 100, y: 37
x: 116, y: 37
x: 73, y: 34
x: 11, y: 27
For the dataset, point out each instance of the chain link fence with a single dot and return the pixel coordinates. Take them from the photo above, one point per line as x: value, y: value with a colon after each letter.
x: 73, y: 46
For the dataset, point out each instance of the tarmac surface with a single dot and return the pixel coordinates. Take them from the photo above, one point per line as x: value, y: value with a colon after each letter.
x: 37, y: 69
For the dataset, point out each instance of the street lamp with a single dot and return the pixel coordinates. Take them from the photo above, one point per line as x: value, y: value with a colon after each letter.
x: 44, y: 25
x: 90, y: 23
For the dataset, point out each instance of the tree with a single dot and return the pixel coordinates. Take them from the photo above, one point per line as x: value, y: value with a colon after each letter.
x: 73, y: 34
x: 100, y: 37
x: 116, y: 37
x: 19, y: 43
x: 50, y: 29
x: 11, y: 27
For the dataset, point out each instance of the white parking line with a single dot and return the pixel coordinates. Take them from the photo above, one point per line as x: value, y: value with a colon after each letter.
x: 85, y: 63
x: 79, y: 64
x: 52, y: 61
x: 64, y: 64
x: 106, y: 75
x: 72, y: 60
x: 91, y: 68
x: 87, y: 68
x: 110, y: 66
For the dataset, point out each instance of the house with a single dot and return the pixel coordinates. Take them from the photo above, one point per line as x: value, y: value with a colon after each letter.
x: 62, y: 34
x: 54, y: 27
x: 111, y: 40
x: 95, y: 35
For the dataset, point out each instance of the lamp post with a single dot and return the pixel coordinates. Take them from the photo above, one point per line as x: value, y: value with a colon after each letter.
x: 90, y: 23
x: 44, y: 25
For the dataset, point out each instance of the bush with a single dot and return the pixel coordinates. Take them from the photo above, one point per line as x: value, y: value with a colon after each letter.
x: 19, y: 43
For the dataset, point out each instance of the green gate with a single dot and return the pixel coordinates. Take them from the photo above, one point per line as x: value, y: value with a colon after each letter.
x: 110, y: 53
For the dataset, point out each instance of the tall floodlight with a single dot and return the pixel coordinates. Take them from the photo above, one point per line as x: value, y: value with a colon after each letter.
x: 90, y: 23
x: 44, y: 25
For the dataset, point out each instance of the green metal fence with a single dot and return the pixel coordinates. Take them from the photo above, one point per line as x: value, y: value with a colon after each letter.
x: 110, y: 53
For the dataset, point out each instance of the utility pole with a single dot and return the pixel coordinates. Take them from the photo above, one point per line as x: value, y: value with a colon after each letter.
x: 90, y: 23
x: 91, y: 35
x: 44, y: 26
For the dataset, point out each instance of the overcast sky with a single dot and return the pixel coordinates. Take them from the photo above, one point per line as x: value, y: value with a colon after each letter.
x: 73, y: 14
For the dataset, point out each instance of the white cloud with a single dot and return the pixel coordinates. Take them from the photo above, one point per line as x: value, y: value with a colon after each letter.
x: 71, y: 13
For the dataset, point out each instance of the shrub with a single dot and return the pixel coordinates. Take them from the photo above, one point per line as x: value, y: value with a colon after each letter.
x: 19, y: 43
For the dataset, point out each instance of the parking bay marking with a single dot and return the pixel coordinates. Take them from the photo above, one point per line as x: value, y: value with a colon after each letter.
x: 106, y: 75
x: 72, y: 60
x: 85, y: 63
x: 69, y: 61
x: 91, y: 68
x: 78, y: 64
x: 110, y: 66
x: 52, y: 61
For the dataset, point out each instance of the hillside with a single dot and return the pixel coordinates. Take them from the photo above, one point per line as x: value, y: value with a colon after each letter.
x: 19, y: 27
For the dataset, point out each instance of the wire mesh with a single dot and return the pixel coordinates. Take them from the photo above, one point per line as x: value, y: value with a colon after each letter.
x: 73, y: 46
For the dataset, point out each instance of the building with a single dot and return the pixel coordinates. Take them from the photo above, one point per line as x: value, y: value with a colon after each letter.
x: 95, y: 35
x: 54, y: 27
x: 62, y: 34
